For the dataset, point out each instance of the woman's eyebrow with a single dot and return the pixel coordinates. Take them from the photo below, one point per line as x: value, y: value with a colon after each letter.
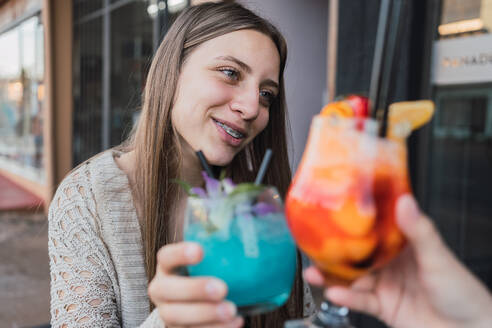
x: 244, y: 66
x: 237, y: 61
x: 270, y: 83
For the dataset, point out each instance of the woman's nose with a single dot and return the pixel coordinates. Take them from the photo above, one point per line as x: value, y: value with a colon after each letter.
x: 246, y: 103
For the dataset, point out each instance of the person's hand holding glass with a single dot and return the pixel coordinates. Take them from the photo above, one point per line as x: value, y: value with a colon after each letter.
x: 426, y: 286
x: 238, y: 251
x: 246, y: 242
x: 341, y: 204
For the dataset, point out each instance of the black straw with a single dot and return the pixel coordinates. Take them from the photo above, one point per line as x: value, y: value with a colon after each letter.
x: 263, y: 166
x: 379, y: 53
x: 205, y: 165
x: 392, y: 60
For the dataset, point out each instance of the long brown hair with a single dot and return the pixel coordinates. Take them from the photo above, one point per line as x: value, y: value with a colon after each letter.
x: 158, y: 153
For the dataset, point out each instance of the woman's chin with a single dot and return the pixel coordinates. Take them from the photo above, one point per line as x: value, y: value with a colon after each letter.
x: 221, y: 162
x: 220, y: 159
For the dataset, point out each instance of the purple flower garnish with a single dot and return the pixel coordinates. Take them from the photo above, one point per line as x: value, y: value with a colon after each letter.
x: 212, y: 185
x: 199, y: 192
x: 262, y: 208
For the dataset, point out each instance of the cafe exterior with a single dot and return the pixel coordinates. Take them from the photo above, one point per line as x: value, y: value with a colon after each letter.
x: 72, y: 73
x: 447, y: 57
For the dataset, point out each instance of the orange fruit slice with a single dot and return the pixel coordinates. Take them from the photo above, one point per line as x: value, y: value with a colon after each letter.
x: 416, y: 113
x: 353, y: 219
x: 338, y: 108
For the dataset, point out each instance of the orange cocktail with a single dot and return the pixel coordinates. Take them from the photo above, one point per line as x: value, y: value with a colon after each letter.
x: 341, y: 204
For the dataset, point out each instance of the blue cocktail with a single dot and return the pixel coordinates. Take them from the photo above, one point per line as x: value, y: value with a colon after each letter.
x: 246, y: 243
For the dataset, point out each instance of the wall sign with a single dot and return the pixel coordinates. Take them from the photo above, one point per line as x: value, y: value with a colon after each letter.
x: 463, y: 60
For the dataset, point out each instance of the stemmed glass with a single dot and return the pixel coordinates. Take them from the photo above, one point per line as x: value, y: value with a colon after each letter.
x: 246, y: 243
x: 341, y: 204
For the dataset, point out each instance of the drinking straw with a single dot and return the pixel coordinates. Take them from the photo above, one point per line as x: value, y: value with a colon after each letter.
x: 205, y: 165
x: 378, y: 57
x: 331, y: 60
x: 263, y: 166
x: 394, y: 48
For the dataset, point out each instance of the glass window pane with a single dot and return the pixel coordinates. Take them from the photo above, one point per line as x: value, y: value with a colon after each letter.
x: 21, y: 99
x: 131, y: 52
x: 87, y: 89
x: 461, y: 173
x: 82, y: 8
x: 456, y: 10
x: 464, y: 18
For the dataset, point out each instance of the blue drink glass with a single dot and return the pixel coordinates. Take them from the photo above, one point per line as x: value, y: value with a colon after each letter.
x: 247, y: 244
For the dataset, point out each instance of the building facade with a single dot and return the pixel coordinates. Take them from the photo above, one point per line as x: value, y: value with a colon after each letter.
x: 95, y: 56
x: 72, y: 74
x: 71, y: 77
x: 458, y: 167
x: 447, y: 57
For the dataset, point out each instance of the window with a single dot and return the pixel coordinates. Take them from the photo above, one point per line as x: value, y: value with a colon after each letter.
x: 460, y: 177
x: 464, y: 18
x: 113, y: 45
x: 21, y: 99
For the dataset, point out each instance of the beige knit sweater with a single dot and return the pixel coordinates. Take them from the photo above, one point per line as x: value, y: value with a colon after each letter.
x: 96, y: 255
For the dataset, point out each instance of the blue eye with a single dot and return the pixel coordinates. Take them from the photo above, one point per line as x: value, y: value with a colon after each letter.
x: 230, y: 73
x: 267, y: 97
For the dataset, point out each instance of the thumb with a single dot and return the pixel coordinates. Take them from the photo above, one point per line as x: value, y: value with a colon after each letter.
x: 418, y: 228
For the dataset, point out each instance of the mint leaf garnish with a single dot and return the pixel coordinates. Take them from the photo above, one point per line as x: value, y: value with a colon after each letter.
x: 246, y: 187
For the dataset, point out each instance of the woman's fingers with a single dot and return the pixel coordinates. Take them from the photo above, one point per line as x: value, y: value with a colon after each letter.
x: 172, y: 256
x: 189, y: 301
x: 190, y: 314
x: 363, y: 301
x: 171, y: 288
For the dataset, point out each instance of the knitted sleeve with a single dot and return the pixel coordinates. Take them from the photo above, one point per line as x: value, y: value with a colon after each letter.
x: 84, y: 286
x: 309, y: 304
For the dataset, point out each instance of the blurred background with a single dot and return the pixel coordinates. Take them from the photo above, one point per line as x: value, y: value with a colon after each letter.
x: 72, y: 73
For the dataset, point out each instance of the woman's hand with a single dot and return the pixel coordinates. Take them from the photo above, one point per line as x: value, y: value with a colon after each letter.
x: 426, y: 286
x: 185, y: 301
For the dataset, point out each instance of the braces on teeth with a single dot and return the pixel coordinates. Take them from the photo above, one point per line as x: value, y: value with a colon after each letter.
x: 230, y: 131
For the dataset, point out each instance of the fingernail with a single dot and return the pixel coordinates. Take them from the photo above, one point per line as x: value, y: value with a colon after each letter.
x: 191, y: 252
x: 407, y: 207
x: 226, y: 311
x: 215, y: 288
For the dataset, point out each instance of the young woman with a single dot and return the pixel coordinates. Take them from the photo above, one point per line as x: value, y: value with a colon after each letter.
x: 216, y: 85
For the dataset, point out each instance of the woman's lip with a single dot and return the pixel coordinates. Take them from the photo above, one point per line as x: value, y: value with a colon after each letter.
x: 226, y: 137
x: 233, y: 126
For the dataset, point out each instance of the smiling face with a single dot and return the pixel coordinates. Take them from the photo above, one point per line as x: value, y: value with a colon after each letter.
x: 224, y: 92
